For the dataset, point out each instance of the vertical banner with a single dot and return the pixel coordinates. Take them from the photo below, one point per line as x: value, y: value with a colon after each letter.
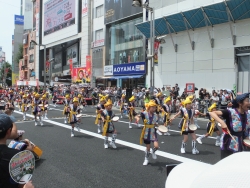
x: 84, y: 8
x: 88, y: 68
x: 156, y: 47
x: 37, y: 84
x: 71, y: 66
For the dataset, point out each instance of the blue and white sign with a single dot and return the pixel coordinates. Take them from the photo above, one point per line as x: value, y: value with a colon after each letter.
x: 129, y: 68
x: 19, y: 20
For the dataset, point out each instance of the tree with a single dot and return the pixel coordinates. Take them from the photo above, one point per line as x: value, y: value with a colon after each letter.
x: 6, y: 73
x: 19, y: 54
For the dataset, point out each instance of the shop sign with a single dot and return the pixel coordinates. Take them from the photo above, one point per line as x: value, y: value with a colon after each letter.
x: 98, y: 43
x: 130, y: 68
x: 108, y: 70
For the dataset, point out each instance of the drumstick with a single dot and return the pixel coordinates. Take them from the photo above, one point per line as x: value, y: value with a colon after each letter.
x: 231, y: 136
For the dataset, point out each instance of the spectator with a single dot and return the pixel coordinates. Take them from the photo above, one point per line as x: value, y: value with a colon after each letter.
x: 215, y: 98
x: 184, y: 94
x: 201, y: 94
x: 7, y: 131
x: 177, y: 89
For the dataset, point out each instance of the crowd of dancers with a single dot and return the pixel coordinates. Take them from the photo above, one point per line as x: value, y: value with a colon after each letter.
x: 231, y: 125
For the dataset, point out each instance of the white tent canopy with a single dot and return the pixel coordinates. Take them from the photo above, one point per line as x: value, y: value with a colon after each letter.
x: 30, y: 83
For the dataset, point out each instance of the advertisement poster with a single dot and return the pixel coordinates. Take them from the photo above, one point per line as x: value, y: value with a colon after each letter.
x: 72, y: 53
x: 21, y: 167
x: 118, y: 9
x: 156, y: 47
x: 190, y: 88
x: 84, y: 8
x: 58, y: 14
x: 81, y: 75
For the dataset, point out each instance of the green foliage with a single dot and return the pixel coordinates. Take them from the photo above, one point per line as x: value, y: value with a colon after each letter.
x: 19, y: 55
x: 8, y: 78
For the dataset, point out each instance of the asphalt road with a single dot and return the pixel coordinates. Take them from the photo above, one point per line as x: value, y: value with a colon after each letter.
x: 82, y: 161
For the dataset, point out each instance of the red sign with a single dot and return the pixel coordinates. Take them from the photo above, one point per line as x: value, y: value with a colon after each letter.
x: 190, y: 88
x: 88, y: 65
x: 71, y: 66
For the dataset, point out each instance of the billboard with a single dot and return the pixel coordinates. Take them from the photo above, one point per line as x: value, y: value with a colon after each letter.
x: 118, y: 9
x: 58, y: 14
x: 19, y: 20
x: 81, y: 75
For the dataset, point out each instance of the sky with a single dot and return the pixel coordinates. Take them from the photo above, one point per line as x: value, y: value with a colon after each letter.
x: 7, y: 11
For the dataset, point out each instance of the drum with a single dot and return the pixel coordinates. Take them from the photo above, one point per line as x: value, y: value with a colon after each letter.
x: 79, y: 115
x: 37, y: 151
x: 172, y: 116
x: 116, y: 118
x: 246, y: 142
x: 28, y: 105
x: 40, y: 105
x: 81, y: 106
x: 46, y: 105
x: 192, y: 127
x: 125, y: 104
x: 163, y: 129
x: 2, y: 101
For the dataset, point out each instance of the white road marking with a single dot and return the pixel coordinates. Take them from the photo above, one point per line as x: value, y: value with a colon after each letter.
x: 124, y: 143
x: 171, y: 130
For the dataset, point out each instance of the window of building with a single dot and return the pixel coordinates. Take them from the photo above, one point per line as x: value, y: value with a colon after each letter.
x: 99, y: 11
x: 99, y: 34
x: 31, y: 58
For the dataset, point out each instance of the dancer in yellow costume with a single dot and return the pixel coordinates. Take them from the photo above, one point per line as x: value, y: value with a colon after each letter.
x: 131, y: 112
x: 99, y: 109
x: 148, y: 133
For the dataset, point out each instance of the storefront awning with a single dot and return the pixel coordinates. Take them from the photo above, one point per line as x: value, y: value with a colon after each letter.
x: 127, y: 77
x: 214, y: 14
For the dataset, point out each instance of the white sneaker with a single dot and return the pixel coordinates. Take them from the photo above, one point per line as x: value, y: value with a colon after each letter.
x: 106, y: 146
x: 199, y: 140
x: 78, y: 128
x: 154, y: 156
x: 99, y: 129
x: 46, y: 117
x: 195, y: 151
x: 130, y: 126
x: 121, y: 117
x: 35, y: 123
x: 183, y: 150
x: 41, y: 123
x: 145, y: 163
x: 158, y: 132
x: 72, y: 134
x: 167, y: 134
x: 217, y: 143
x: 113, y: 145
x: 65, y: 121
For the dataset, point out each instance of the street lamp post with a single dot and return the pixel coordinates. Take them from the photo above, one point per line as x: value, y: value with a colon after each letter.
x: 50, y: 70
x: 138, y: 3
x: 44, y: 56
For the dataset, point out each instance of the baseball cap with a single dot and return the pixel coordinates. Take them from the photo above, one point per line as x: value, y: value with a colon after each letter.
x: 5, y: 122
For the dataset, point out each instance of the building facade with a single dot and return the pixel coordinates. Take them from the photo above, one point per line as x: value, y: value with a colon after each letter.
x: 98, y: 40
x: 207, y: 43
x: 125, y: 64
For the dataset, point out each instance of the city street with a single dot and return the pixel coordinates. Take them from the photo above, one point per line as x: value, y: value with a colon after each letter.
x: 82, y: 161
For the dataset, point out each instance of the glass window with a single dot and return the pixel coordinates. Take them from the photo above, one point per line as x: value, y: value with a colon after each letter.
x: 99, y: 11
x: 99, y: 34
